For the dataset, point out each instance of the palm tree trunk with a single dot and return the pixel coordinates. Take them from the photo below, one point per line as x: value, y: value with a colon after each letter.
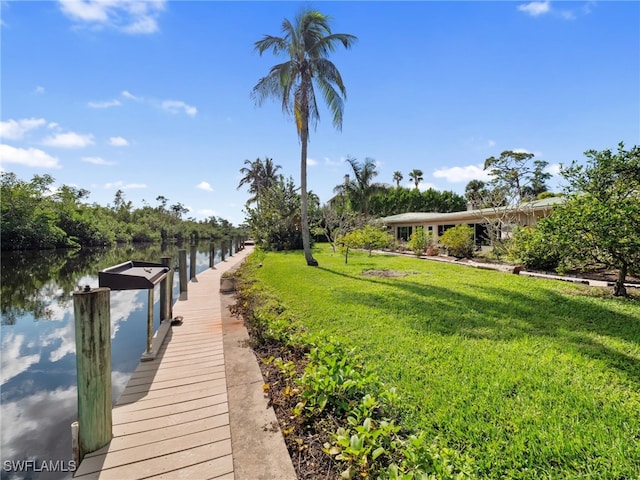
x: 306, y: 241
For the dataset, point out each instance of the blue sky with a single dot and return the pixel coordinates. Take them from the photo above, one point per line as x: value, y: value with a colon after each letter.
x: 153, y: 98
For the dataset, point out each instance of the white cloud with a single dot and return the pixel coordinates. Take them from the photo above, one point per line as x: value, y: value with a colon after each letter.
x: 31, y: 157
x: 535, y: 8
x: 39, y: 90
x: 311, y: 162
x: 124, y: 186
x: 84, y: 10
x: 69, y: 140
x: 462, y: 174
x: 142, y: 26
x: 118, y: 142
x: 15, y: 129
x: 130, y: 96
x: 333, y: 163
x: 207, y: 212
x: 177, y: 106
x: 205, y: 186
x: 105, y: 104
x: 554, y: 169
x: 23, y: 419
x: 97, y: 161
x: 14, y: 359
x: 128, y: 16
x: 422, y: 186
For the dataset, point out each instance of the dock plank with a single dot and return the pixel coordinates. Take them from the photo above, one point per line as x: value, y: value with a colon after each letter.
x: 172, y: 419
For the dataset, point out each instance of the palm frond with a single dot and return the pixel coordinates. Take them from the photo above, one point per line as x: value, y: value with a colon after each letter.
x: 269, y: 42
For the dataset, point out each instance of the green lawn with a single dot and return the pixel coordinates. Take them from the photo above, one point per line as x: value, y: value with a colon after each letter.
x: 532, y: 378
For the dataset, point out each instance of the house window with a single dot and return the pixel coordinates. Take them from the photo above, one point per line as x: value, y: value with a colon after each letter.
x: 482, y: 236
x: 443, y: 228
x: 404, y: 233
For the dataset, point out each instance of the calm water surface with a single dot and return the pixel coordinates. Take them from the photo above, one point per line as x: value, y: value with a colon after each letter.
x: 38, y: 390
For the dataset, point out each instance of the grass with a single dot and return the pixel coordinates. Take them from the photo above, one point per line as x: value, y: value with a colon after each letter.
x: 531, y: 378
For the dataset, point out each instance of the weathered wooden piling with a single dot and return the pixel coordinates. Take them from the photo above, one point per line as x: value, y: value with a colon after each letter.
x: 182, y: 261
x: 92, y: 317
x: 166, y: 291
x: 212, y: 255
x: 192, y: 262
x: 223, y: 249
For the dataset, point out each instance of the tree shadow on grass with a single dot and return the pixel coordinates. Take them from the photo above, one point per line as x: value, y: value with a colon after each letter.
x: 499, y: 314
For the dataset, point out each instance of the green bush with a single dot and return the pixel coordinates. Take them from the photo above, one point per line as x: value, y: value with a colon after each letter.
x: 420, y: 240
x: 459, y: 241
x: 531, y: 247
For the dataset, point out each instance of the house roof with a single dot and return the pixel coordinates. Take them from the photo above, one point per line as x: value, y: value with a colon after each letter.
x: 426, y: 217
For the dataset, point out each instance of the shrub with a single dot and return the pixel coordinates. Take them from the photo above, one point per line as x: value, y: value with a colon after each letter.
x: 420, y: 240
x: 459, y: 241
x: 534, y: 249
x: 368, y: 238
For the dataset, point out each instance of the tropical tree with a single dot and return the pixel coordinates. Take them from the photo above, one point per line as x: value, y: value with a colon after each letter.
x: 361, y: 189
x: 417, y: 176
x: 306, y: 43
x: 600, y: 220
x: 275, y: 222
x: 397, y: 177
x: 369, y: 237
x: 476, y: 193
x: 259, y: 176
x: 516, y: 177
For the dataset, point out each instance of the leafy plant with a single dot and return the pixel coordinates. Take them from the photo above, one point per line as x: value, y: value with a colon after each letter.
x: 459, y: 241
x: 530, y: 246
x: 420, y: 240
x: 368, y: 238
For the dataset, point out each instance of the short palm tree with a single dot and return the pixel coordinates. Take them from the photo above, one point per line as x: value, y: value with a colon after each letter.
x: 397, y: 177
x: 416, y: 176
x: 306, y: 43
x: 361, y: 189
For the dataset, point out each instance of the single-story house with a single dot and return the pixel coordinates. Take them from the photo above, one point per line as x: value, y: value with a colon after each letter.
x: 501, y: 219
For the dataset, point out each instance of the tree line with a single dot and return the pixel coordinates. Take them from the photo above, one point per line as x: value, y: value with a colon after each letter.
x: 274, y: 208
x: 35, y: 216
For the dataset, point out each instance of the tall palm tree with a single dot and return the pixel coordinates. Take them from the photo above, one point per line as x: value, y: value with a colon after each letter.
x: 416, y: 176
x: 397, y: 177
x: 259, y: 176
x: 306, y: 44
x: 361, y: 189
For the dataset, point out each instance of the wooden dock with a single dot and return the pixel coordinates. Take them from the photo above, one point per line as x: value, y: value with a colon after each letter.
x: 172, y: 419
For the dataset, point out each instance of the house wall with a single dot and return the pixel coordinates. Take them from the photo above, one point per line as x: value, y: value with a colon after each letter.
x: 473, y: 219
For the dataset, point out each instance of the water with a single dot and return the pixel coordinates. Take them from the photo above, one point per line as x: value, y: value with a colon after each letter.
x: 38, y: 390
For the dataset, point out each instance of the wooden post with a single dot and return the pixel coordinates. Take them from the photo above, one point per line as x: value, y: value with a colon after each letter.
x: 182, y: 256
x: 231, y: 247
x: 93, y: 363
x: 212, y: 255
x: 223, y: 249
x: 150, y: 302
x: 166, y: 291
x: 192, y: 262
